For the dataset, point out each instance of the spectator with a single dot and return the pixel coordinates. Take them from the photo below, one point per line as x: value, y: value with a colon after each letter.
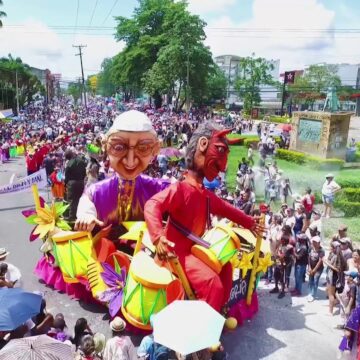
x: 329, y: 189
x: 335, y: 273
x: 308, y: 202
x: 3, y: 271
x: 86, y: 349
x: 345, y: 248
x: 285, y: 189
x: 75, y: 173
x: 119, y: 347
x: 301, y: 261
x: 250, y: 155
x: 283, y: 266
x: 316, y: 266
x: 81, y: 328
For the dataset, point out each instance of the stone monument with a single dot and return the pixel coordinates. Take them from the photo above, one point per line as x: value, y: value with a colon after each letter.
x: 323, y: 134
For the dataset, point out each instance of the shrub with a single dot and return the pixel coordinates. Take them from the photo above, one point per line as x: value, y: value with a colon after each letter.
x: 313, y: 161
x: 292, y: 156
x: 357, y: 156
x: 243, y: 138
x: 325, y: 164
x: 350, y: 208
x: 348, y: 181
x: 254, y: 141
x: 351, y: 194
x: 280, y: 119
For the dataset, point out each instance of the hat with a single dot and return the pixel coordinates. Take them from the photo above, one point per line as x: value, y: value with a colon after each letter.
x: 330, y: 175
x: 342, y: 227
x: 118, y: 324
x: 352, y: 273
x: 316, y: 239
x: 132, y: 120
x: 3, y: 253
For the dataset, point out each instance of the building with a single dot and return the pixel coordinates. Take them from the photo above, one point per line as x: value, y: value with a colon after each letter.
x: 230, y: 65
x: 51, y: 82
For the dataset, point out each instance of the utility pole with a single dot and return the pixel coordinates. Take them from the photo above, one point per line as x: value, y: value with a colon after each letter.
x: 17, y: 93
x: 82, y: 70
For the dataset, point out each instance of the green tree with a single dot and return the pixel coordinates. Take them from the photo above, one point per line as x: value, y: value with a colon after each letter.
x: 2, y: 14
x: 106, y: 81
x: 28, y: 84
x: 75, y: 90
x: 163, y: 42
x: 252, y: 73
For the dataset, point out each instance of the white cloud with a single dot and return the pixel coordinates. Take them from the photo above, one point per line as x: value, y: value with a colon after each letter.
x: 266, y: 35
x: 207, y: 6
x: 41, y: 47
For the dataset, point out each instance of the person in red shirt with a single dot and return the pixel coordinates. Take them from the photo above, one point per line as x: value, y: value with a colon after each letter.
x: 189, y: 205
x: 308, y: 202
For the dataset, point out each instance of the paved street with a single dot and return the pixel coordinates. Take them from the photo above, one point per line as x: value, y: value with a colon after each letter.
x: 283, y: 329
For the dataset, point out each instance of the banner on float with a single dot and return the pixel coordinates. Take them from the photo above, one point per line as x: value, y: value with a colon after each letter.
x: 25, y: 183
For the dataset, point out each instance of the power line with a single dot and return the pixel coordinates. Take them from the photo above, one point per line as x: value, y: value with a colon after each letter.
x: 93, y: 13
x: 112, y: 8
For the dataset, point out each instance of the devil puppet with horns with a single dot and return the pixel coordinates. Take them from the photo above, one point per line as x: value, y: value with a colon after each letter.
x: 188, y: 206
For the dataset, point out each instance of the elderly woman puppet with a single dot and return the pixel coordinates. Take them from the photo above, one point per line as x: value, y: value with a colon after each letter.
x: 189, y: 206
x: 130, y: 144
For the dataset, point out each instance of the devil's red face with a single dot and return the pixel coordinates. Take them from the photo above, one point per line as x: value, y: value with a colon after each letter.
x: 216, y: 155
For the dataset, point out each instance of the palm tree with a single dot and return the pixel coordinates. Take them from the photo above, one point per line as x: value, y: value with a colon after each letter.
x: 2, y: 14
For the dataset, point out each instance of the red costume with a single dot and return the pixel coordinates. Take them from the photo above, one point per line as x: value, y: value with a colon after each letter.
x: 186, y: 203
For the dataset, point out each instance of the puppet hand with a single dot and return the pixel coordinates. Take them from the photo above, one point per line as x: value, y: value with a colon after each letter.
x: 162, y: 248
x: 258, y: 230
x: 87, y: 223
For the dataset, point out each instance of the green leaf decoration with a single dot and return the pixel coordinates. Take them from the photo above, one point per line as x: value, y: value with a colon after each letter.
x: 63, y: 225
x: 117, y: 266
x: 60, y: 208
x: 30, y: 219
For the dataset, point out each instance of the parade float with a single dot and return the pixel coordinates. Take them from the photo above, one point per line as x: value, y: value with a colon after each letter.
x: 135, y: 286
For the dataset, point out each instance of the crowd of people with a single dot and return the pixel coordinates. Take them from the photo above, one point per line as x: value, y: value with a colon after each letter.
x: 67, y: 142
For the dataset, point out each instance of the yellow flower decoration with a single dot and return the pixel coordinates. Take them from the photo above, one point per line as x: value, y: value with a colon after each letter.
x: 47, y: 218
x: 264, y: 263
x: 244, y: 264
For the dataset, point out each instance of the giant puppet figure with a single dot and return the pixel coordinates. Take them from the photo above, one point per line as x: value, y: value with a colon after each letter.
x: 130, y: 144
x: 189, y: 206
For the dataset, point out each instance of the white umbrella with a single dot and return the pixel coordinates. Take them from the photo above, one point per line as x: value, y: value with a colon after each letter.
x: 40, y: 347
x: 188, y: 326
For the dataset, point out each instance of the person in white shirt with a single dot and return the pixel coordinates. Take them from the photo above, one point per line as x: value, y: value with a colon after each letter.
x: 329, y: 189
x: 119, y: 347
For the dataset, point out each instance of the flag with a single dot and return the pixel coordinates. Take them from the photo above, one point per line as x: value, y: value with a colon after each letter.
x: 289, y: 77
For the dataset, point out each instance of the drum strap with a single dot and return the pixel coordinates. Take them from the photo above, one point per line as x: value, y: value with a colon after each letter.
x: 186, y: 232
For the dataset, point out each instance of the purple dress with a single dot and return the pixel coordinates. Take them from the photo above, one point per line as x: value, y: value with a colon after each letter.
x: 105, y: 196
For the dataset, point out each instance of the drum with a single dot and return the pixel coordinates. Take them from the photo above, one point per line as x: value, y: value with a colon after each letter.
x: 72, y: 252
x: 149, y: 288
x: 224, y: 244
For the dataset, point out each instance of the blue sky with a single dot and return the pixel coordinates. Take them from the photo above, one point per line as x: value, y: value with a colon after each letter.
x: 32, y: 31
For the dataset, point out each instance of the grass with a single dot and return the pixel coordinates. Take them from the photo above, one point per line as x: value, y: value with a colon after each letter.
x: 301, y: 176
